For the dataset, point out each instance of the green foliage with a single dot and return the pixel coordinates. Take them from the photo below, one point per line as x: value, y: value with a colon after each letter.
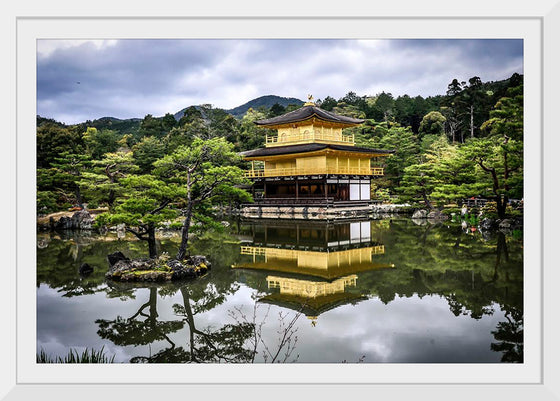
x: 432, y: 123
x: 62, y: 179
x: 99, y: 142
x: 53, y: 140
x: 143, y: 202
x: 146, y: 152
x: 405, y: 144
x: 102, y: 183
x: 205, y: 170
x: 151, y: 126
x: 506, y: 119
x: 251, y: 136
x: 47, y: 202
x: 87, y: 356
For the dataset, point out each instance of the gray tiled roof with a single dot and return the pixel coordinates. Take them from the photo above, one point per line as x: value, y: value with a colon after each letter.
x: 309, y: 147
x: 307, y: 112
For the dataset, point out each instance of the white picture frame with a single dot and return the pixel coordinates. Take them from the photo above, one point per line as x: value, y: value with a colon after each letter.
x: 537, y: 23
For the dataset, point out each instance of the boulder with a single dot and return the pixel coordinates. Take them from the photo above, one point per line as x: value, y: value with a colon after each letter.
x: 436, y: 215
x: 82, y: 220
x: 420, y: 214
x: 64, y: 223
x: 115, y: 257
x: 487, y: 224
x: 175, y: 265
x: 506, y: 223
x: 124, y: 269
x: 198, y: 260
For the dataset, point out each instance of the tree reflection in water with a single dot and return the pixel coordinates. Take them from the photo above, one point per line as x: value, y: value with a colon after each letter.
x: 237, y: 342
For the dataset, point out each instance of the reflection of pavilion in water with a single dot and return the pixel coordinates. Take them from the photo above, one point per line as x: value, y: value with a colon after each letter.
x: 313, y: 266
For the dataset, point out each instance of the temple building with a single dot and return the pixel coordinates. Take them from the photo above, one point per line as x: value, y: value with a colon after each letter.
x: 313, y: 267
x: 311, y: 162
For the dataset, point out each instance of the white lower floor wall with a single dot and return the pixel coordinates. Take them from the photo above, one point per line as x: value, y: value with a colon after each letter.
x: 360, y: 190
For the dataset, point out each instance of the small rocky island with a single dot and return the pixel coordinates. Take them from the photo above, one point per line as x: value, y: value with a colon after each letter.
x: 163, y: 268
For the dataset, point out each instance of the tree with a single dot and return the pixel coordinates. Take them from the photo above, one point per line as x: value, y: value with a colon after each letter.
x: 145, y: 205
x: 500, y: 155
x: 146, y: 152
x: 405, y: 145
x: 418, y: 180
x: 151, y: 126
x: 384, y: 105
x: 433, y: 123
x: 251, y: 136
x: 204, y: 170
x: 168, y: 122
x: 276, y: 110
x: 103, y: 182
x: 99, y: 142
x: 328, y: 103
x: 53, y: 140
x: 473, y: 94
x: 64, y: 176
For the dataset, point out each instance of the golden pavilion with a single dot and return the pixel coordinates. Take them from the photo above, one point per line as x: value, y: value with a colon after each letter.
x: 311, y: 162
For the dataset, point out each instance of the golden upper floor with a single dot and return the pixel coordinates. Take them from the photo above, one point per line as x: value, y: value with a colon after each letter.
x: 318, y: 163
x: 309, y: 133
x: 309, y: 124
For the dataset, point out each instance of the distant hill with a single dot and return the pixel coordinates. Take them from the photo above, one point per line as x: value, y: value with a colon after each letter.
x: 181, y: 112
x: 124, y: 126
x: 263, y: 101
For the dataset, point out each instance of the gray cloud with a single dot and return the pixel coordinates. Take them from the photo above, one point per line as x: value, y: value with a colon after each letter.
x: 131, y: 78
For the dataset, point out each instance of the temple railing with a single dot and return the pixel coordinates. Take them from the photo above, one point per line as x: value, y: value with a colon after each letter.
x: 308, y: 137
x: 294, y: 253
x: 292, y: 171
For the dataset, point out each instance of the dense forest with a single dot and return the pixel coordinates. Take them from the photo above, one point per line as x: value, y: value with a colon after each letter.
x: 466, y: 142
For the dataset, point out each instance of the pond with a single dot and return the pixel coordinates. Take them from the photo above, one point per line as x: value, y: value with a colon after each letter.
x: 372, y: 291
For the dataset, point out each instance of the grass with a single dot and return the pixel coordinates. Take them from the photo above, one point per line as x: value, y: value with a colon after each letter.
x: 87, y: 356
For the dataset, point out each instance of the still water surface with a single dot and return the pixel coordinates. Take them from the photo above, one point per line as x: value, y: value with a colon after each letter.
x: 377, y: 291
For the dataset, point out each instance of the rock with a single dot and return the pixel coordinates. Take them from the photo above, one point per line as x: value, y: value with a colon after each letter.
x: 420, y: 222
x: 124, y: 269
x: 85, y: 269
x: 506, y: 223
x: 64, y: 223
x: 115, y: 257
x: 198, y: 260
x: 82, y: 220
x: 420, y: 214
x: 127, y: 266
x: 486, y: 224
x: 175, y: 265
x: 436, y: 215
x: 42, y: 243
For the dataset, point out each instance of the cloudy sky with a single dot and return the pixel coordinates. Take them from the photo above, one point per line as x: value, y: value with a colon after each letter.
x: 79, y: 80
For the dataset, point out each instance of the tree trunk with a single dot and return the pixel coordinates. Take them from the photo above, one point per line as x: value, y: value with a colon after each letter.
x: 427, y: 201
x: 152, y: 241
x: 111, y: 198
x: 472, y: 121
x: 501, y: 204
x: 78, y: 196
x: 185, y: 233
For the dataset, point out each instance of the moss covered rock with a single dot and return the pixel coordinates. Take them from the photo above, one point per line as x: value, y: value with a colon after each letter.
x: 160, y: 269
